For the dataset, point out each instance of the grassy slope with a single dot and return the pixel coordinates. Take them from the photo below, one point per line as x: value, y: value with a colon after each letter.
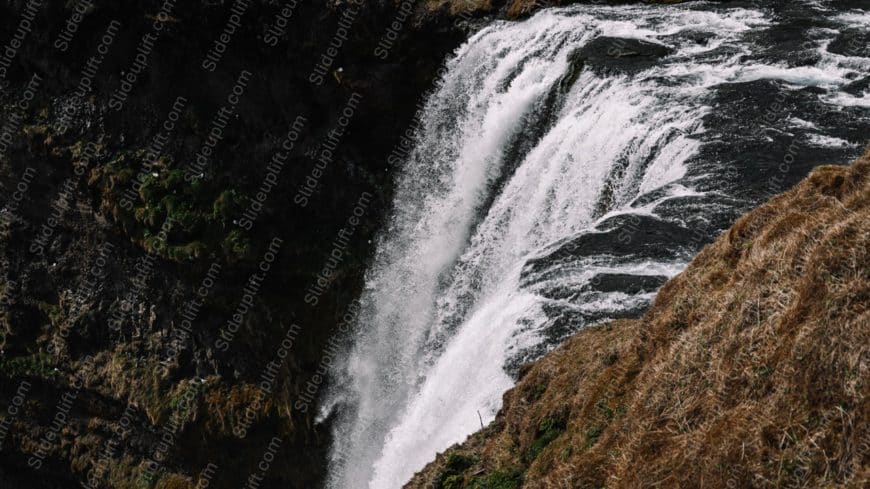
x: 750, y: 369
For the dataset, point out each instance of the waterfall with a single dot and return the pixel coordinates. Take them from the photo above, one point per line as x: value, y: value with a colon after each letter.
x: 540, y: 198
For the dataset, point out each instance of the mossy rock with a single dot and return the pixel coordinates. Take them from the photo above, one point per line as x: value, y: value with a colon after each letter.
x: 236, y: 244
x: 202, y: 213
x: 39, y: 365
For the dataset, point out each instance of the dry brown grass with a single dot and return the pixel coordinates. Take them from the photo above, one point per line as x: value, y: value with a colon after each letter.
x: 174, y: 481
x: 456, y: 7
x: 226, y: 407
x: 512, y: 9
x: 749, y: 370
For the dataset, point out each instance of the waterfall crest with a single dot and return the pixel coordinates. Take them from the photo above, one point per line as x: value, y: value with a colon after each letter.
x: 541, y: 196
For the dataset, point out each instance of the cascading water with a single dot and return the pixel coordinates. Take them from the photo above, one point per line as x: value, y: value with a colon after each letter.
x: 549, y: 190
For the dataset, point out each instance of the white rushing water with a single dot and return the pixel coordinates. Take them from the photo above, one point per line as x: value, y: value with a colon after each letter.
x: 512, y: 161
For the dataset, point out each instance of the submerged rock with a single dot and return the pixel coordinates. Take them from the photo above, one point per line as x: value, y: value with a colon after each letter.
x: 612, y: 54
x: 620, y: 54
x: 626, y: 283
x: 629, y: 235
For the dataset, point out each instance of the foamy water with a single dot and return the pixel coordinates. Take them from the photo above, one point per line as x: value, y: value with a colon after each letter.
x: 510, y: 165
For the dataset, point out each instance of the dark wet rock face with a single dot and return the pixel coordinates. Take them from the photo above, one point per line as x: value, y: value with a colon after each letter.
x: 851, y: 42
x: 623, y: 282
x: 65, y: 296
x: 858, y: 87
x: 612, y: 55
x: 618, y: 54
x: 764, y: 129
x: 631, y: 236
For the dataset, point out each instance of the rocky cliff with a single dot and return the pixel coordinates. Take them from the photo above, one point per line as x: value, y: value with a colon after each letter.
x: 750, y: 369
x: 189, y: 193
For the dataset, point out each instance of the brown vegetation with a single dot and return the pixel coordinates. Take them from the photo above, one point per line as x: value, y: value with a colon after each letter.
x: 512, y: 9
x: 750, y: 369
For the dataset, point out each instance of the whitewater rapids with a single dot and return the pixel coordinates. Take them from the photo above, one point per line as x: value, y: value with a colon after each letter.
x: 544, y: 195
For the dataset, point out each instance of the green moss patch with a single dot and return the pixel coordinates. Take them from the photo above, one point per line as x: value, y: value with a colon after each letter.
x: 36, y: 365
x: 506, y: 478
x: 141, y: 200
x: 549, y: 429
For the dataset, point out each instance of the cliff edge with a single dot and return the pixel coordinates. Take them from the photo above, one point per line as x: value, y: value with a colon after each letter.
x: 750, y: 369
